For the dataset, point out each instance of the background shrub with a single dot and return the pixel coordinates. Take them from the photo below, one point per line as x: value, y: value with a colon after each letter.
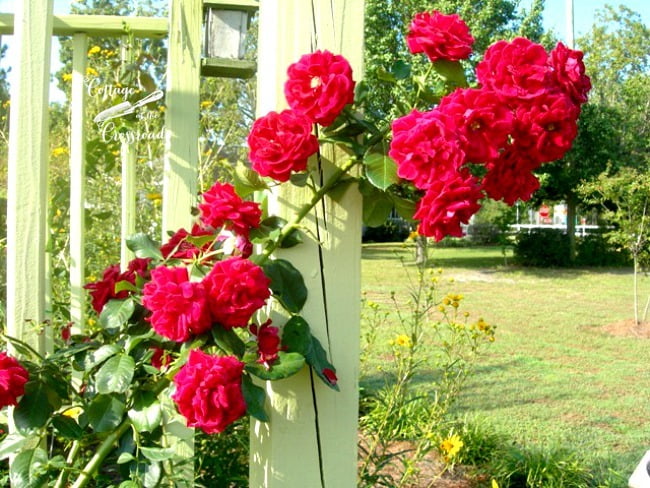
x: 542, y: 248
x: 546, y: 248
x: 393, y: 230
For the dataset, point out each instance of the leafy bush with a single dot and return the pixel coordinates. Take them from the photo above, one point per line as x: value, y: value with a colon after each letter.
x: 541, y: 468
x: 483, y: 234
x: 596, y: 250
x: 542, y: 248
x: 550, y: 248
x: 221, y: 461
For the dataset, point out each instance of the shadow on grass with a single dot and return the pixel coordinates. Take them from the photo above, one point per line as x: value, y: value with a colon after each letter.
x: 485, y: 259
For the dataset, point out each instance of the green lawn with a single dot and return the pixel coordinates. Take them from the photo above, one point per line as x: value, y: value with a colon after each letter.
x: 553, y: 377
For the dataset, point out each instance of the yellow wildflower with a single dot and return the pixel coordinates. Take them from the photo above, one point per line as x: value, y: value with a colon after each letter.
x: 91, y: 322
x: 206, y: 104
x: 94, y: 50
x: 59, y: 151
x: 67, y: 77
x: 402, y: 340
x: 451, y: 446
x: 72, y: 412
x: 154, y: 196
x: 91, y: 71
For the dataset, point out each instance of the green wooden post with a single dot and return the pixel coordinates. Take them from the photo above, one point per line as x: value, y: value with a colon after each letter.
x: 27, y: 171
x: 182, y: 147
x: 127, y: 159
x: 311, y: 438
x: 77, y: 180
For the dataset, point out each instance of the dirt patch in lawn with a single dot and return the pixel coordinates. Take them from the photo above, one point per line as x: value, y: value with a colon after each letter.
x: 628, y: 328
x: 430, y: 471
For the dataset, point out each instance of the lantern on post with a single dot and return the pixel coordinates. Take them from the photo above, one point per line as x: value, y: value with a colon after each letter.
x: 225, y: 27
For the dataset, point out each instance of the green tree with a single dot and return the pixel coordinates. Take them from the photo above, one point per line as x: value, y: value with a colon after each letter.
x: 614, y: 127
x: 624, y: 197
x: 597, y: 145
x: 387, y: 22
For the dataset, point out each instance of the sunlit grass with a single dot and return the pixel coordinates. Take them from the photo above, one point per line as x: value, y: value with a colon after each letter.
x: 553, y: 376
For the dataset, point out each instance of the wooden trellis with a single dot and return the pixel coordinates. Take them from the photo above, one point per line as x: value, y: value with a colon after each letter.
x: 311, y: 438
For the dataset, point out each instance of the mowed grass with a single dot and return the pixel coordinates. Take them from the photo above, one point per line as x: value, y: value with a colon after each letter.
x: 554, y: 377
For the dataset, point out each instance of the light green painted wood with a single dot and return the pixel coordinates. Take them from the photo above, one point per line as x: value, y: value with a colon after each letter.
x: 248, y: 5
x: 311, y: 439
x: 182, y: 115
x: 182, y: 147
x: 228, y: 68
x: 97, y: 25
x: 78, y: 181
x: 27, y: 171
x: 127, y: 159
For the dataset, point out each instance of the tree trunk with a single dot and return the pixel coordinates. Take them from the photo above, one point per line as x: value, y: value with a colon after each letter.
x: 421, y: 250
x: 571, y: 211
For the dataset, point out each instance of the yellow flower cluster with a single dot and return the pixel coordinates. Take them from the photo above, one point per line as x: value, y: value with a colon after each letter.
x: 451, y: 446
x: 59, y: 151
x: 401, y: 340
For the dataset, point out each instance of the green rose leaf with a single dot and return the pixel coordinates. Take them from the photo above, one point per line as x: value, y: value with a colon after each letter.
x: 287, y: 284
x: 381, y: 170
x: 28, y: 469
x: 149, y: 472
x: 228, y: 341
x: 144, y: 247
x: 401, y: 70
x: 287, y: 364
x: 125, y: 285
x: 158, y: 454
x: 146, y: 413
x: 116, y: 313
x: 67, y: 427
x: 99, y: 356
x: 16, y: 442
x: 247, y: 181
x: 254, y: 396
x: 34, y: 409
x: 116, y: 374
x: 297, y: 337
x: 405, y: 208
x: 125, y: 457
x: 105, y: 412
x: 377, y: 206
x: 451, y: 71
x: 299, y: 179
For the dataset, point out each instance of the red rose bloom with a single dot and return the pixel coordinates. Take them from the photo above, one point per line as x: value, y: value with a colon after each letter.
x: 440, y: 36
x: 12, y: 380
x: 236, y: 288
x: 208, y: 391
x: 426, y: 147
x: 546, y: 126
x: 223, y: 207
x: 281, y: 143
x: 268, y: 343
x: 483, y: 120
x: 569, y: 73
x: 320, y: 85
x: 510, y: 178
x: 516, y: 69
x: 104, y: 290
x: 447, y: 204
x: 178, y: 247
x: 178, y: 306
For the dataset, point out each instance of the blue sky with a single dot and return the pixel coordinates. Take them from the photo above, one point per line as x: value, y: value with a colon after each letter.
x: 554, y: 18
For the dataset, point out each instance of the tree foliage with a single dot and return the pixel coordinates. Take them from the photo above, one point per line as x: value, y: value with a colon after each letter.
x: 386, y: 26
